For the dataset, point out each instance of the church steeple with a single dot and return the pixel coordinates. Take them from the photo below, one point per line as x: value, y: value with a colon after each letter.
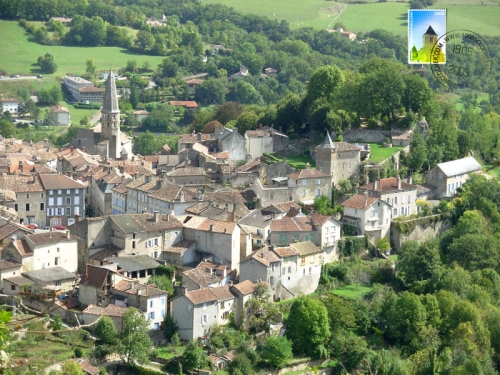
x: 327, y: 142
x: 110, y: 104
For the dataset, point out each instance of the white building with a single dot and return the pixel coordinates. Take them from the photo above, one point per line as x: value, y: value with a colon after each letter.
x: 10, y: 104
x: 62, y: 115
x: 73, y: 84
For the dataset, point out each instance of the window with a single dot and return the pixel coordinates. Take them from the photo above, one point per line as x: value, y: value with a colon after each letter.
x: 57, y: 249
x: 311, y: 259
x: 50, y: 212
x: 51, y: 201
x: 162, y: 301
x: 12, y: 287
x: 68, y: 200
x: 59, y: 191
x: 318, y: 181
x: 51, y: 192
x: 76, y: 210
x: 68, y: 191
x: 162, y: 313
x: 204, y: 306
x: 152, y: 315
x: 373, y: 212
x: 58, y: 283
x: 355, y: 211
x: 156, y: 241
x: 310, y: 270
x: 304, y: 182
x: 27, y: 206
x: 318, y: 192
x: 282, y: 238
x: 27, y: 196
x: 289, y: 269
x: 396, y: 200
x: 42, y: 206
x: 157, y: 326
x: 56, y: 261
x: 41, y: 195
x: 303, y: 193
x: 133, y: 244
x: 304, y: 272
x: 68, y: 211
x: 77, y: 200
x: 302, y: 261
x: 283, y: 271
x: 150, y: 303
x: 204, y: 319
x: 59, y: 211
x: 395, y: 212
x: 409, y: 198
x: 222, y: 305
x: 59, y: 201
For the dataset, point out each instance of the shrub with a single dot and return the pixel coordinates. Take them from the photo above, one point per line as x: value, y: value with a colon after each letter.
x: 78, y: 352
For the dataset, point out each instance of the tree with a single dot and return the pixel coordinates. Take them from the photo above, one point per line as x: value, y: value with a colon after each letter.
x: 212, y: 90
x: 7, y: 128
x: 159, y: 120
x: 307, y: 327
x: 144, y: 40
x: 91, y: 67
x: 168, y: 68
x: 228, y: 111
x: 341, y: 313
x: 211, y: 127
x: 192, y: 357
x: 169, y: 327
x: 324, y: 83
x: 135, y: 344
x: 162, y: 281
x: 277, y: 351
x: 105, y: 329
x: 241, y: 365
x: 131, y: 66
x: 70, y: 367
x: 383, y: 244
x: 47, y: 64
x: 247, y: 121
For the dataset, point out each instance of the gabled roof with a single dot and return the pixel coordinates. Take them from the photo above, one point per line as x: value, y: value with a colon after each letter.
x: 95, y: 276
x: 360, y: 202
x: 388, y: 184
x: 327, y: 142
x: 430, y: 31
x: 49, y: 237
x: 292, y: 224
x: 6, y: 264
x: 8, y: 228
x: 134, y: 263
x: 48, y: 275
x: 460, y: 166
x: 21, y: 184
x: 307, y: 173
x: 305, y: 248
x: 184, y: 103
x: 59, y: 181
x: 193, y: 138
x: 190, y: 171
x: 180, y: 247
x: 245, y: 287
x: 286, y: 251
x: 201, y: 277
x: 264, y: 256
x: 111, y: 310
x: 129, y: 287
x: 205, y: 295
x: 90, y: 89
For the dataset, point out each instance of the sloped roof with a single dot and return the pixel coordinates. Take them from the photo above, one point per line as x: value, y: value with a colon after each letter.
x: 47, y: 275
x: 292, y: 224
x: 6, y: 264
x: 59, y: 181
x: 460, y: 166
x: 360, y: 202
x: 201, y: 296
x: 430, y: 31
x: 286, y: 251
x: 201, y: 277
x: 305, y: 248
x: 264, y: 256
x: 110, y: 100
x: 184, y: 103
x: 180, y: 247
x: 21, y: 184
x: 49, y: 237
x: 245, y: 287
x: 128, y: 287
x: 388, y: 184
x: 327, y: 142
x: 307, y: 173
x: 134, y: 263
x: 95, y: 276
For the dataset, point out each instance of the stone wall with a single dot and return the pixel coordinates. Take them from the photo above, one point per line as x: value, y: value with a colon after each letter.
x: 366, y: 135
x: 419, y: 229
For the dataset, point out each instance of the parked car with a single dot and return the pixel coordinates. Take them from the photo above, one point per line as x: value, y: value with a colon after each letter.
x: 32, y: 226
x: 39, y: 76
x: 58, y: 227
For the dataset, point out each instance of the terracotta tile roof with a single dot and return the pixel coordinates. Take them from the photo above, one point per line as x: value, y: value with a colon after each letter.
x: 388, y: 184
x: 140, y: 112
x: 95, y: 276
x: 217, y: 226
x: 184, y: 103
x: 264, y: 256
x: 360, y: 202
x: 147, y: 221
x: 9, y: 228
x: 105, y: 253
x: 6, y: 264
x: 282, y: 207
x: 307, y: 173
x: 50, y: 237
x: 59, y: 181
x: 111, y: 310
x: 90, y: 89
x: 223, y: 293
x: 189, y: 171
x: 287, y: 251
x: 129, y: 287
x: 21, y: 184
x: 305, y: 248
x: 221, y: 155
x: 193, y: 138
x: 245, y: 287
x: 292, y: 224
x: 152, y: 158
x: 202, y: 277
x: 180, y: 247
x: 194, y: 81
x: 263, y: 132
x: 230, y: 196
x: 251, y: 165
x: 172, y: 193
x: 23, y: 248
x: 200, y: 296
x: 88, y: 368
x: 318, y: 219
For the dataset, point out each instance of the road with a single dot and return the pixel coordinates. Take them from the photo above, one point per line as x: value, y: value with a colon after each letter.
x: 7, y: 78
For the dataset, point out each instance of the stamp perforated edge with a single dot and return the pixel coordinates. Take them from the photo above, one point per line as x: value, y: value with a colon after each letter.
x: 439, y: 36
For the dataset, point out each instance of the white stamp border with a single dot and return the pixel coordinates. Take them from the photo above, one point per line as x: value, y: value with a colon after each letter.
x: 410, y: 29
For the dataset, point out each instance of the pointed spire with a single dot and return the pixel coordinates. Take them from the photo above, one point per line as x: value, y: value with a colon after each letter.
x: 110, y: 104
x: 327, y: 142
x: 430, y: 31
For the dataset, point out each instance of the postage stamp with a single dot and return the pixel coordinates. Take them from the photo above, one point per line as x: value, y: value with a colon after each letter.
x: 468, y: 57
x: 425, y: 26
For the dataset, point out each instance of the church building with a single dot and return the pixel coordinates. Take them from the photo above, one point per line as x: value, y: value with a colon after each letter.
x: 106, y: 138
x: 424, y: 54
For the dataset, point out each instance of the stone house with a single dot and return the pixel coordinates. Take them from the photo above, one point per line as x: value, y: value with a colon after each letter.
x: 10, y: 230
x: 188, y: 176
x: 75, y: 160
x: 268, y: 194
x: 192, y: 83
x: 119, y: 197
x: 65, y: 199
x: 402, y: 196
x: 146, y: 298
x: 448, y: 177
x: 243, y: 291
x: 101, y: 186
x: 265, y: 139
x: 257, y: 222
x: 233, y: 142
x: 61, y: 115
x: 31, y: 198
x: 340, y: 160
x: 140, y: 114
x: 54, y: 279
x: 92, y: 313
x: 196, y: 311
x: 9, y: 268
x: 97, y: 283
x: 289, y: 270
x: 307, y: 184
x: 367, y: 215
x: 90, y: 94
x: 44, y: 250
x: 137, y: 267
x: 206, y: 274
x: 181, y: 253
x: 186, y: 141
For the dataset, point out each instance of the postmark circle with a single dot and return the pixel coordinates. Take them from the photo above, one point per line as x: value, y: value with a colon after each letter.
x: 467, y: 56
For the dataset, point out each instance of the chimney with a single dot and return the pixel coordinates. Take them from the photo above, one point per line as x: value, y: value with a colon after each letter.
x: 160, y: 183
x: 375, y: 185
x: 307, y: 165
x: 399, y: 183
x: 157, y: 216
x: 366, y: 202
x: 270, y: 247
x: 181, y: 198
x: 68, y: 234
x: 234, y: 217
x: 261, y: 254
x: 184, y: 290
x: 410, y: 179
x: 211, y: 202
x: 143, y: 162
x: 121, y: 169
x: 211, y: 227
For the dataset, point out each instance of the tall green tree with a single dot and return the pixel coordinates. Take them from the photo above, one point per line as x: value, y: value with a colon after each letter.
x: 135, y: 344
x: 324, y: 83
x: 91, y: 67
x: 47, y: 63
x: 276, y: 352
x: 193, y: 357
x: 307, y: 327
x: 105, y: 329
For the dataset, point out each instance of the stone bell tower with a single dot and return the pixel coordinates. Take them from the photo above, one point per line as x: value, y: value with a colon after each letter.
x: 110, y: 118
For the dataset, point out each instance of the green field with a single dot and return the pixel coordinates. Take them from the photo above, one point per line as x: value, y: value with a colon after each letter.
x: 296, y: 161
x: 379, y: 153
x: 18, y: 53
x: 352, y: 291
x: 390, y: 16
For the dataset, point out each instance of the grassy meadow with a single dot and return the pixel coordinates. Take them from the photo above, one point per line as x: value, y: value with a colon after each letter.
x: 19, y: 53
x: 379, y: 153
x: 390, y: 15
